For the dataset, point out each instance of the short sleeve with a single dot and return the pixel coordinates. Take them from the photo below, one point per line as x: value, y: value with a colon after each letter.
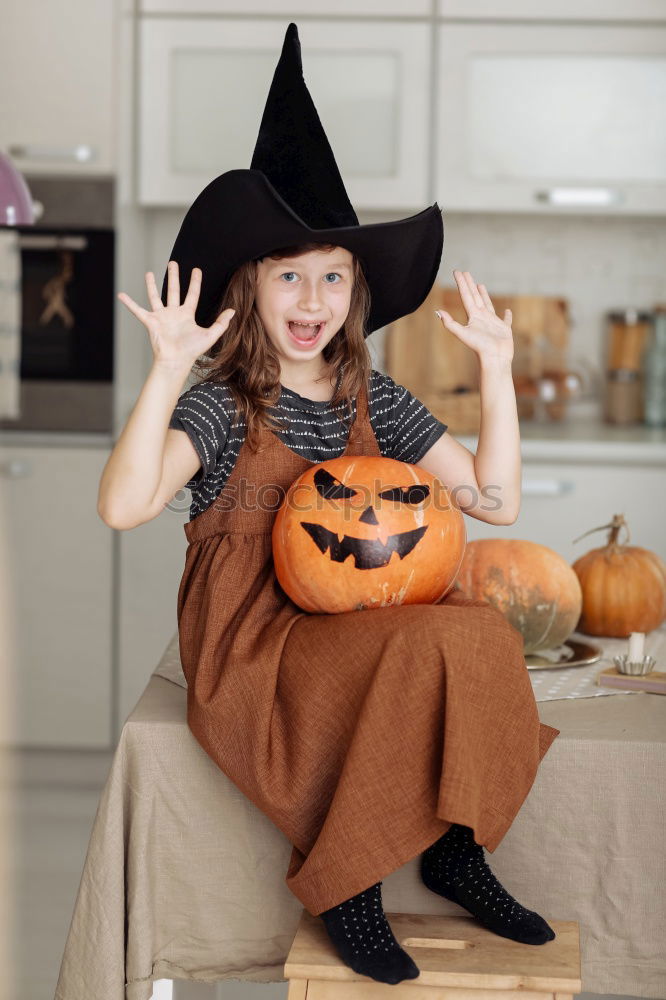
x: 409, y: 428
x: 203, y: 413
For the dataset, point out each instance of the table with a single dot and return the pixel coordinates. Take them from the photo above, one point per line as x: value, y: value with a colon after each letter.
x: 184, y: 876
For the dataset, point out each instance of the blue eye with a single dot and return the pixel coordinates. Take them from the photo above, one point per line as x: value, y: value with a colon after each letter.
x: 334, y: 273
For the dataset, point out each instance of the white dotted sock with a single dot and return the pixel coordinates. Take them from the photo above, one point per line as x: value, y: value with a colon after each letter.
x: 455, y: 867
x: 364, y: 940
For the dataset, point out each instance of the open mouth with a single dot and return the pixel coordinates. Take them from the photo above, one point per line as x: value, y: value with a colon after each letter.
x: 305, y: 333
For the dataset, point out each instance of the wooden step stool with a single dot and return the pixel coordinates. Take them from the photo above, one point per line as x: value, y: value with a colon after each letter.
x: 459, y: 959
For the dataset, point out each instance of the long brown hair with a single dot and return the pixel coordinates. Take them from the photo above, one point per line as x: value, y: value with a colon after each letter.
x: 245, y: 360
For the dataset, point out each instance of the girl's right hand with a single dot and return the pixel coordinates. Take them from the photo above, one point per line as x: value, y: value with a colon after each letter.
x: 175, y: 337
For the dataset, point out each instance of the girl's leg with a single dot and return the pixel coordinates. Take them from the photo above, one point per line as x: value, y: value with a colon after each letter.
x: 455, y: 867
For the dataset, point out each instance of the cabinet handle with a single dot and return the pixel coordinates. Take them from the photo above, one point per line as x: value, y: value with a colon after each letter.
x: 546, y: 487
x: 16, y: 468
x: 585, y: 197
x: 42, y: 241
x: 80, y: 154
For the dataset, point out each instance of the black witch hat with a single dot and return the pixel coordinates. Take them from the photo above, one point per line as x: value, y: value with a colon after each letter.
x: 293, y: 193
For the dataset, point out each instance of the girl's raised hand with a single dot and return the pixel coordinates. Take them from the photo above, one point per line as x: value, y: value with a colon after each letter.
x: 485, y: 333
x: 175, y: 337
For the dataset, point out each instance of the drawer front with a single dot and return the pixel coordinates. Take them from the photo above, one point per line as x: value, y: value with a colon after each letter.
x: 562, y: 501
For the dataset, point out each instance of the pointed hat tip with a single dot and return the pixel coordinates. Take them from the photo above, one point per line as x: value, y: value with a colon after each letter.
x: 291, y: 46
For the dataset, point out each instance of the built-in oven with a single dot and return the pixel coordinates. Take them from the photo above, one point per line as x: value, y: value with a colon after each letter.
x: 65, y: 315
x: 66, y: 329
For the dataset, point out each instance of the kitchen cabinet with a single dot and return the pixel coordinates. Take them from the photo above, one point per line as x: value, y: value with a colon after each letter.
x: 546, y: 10
x: 57, y: 583
x: 551, y: 118
x: 370, y: 82
x: 58, y: 65
x: 360, y: 8
x: 553, y: 10
x: 562, y: 500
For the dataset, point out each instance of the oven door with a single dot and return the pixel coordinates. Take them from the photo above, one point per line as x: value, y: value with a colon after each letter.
x: 66, y: 289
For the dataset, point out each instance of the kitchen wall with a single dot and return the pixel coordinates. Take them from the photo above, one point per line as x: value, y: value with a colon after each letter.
x: 597, y: 263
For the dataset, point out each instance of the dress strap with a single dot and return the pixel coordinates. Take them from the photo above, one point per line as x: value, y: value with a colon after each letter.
x: 362, y: 410
x: 362, y: 440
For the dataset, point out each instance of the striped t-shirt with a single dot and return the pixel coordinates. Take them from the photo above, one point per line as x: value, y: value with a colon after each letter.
x: 405, y: 429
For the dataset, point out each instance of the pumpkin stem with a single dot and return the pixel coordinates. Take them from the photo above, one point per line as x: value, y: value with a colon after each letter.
x: 615, y: 525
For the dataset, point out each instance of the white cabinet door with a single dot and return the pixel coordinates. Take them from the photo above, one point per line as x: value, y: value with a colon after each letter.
x: 562, y: 501
x: 551, y: 118
x: 57, y: 575
x: 57, y: 81
x: 204, y: 83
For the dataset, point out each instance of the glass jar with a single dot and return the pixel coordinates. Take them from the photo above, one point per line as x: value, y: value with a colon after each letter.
x: 624, y: 397
x: 654, y: 372
x: 627, y: 333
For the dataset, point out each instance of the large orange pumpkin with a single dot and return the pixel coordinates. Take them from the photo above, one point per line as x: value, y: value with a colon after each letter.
x: 532, y: 585
x: 624, y: 586
x: 360, y: 532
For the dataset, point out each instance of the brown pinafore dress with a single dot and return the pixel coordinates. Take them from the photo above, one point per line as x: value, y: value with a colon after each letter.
x: 361, y: 735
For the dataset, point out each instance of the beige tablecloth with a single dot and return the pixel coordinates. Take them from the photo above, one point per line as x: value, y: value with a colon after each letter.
x: 184, y: 876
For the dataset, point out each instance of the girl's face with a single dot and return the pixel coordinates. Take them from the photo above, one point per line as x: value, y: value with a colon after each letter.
x: 313, y: 289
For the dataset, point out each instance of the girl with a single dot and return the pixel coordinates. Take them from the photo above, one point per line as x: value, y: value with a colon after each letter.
x: 366, y: 737
x: 334, y: 725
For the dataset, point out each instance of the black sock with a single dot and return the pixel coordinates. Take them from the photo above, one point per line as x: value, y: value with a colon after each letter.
x: 364, y: 940
x: 455, y: 867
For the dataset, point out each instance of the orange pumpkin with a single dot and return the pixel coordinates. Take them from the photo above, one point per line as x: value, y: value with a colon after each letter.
x: 359, y: 532
x: 624, y: 586
x: 533, y: 586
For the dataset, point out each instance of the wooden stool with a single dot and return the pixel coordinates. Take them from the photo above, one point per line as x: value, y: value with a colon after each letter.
x: 459, y: 959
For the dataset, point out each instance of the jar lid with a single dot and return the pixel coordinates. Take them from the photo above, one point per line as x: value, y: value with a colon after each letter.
x: 629, y: 316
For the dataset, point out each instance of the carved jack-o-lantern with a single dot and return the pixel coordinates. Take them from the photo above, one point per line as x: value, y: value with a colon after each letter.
x: 360, y: 532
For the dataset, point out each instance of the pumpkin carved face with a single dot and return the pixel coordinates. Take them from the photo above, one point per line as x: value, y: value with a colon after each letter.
x: 360, y: 532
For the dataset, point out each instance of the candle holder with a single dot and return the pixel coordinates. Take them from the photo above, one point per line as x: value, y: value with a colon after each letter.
x: 643, y: 666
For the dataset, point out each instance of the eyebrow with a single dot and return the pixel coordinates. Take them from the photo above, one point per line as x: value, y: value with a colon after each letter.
x: 338, y: 264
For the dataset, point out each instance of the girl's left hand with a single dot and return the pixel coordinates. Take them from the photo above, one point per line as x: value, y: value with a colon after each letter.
x: 487, y: 335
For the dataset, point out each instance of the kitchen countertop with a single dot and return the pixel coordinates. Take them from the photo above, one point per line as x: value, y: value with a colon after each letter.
x: 57, y: 439
x: 574, y: 439
x: 587, y: 439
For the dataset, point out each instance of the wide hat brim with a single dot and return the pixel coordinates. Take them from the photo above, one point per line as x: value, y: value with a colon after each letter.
x: 240, y: 216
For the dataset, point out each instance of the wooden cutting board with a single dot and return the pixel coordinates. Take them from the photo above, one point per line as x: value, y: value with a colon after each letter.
x: 655, y: 682
x: 438, y: 368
